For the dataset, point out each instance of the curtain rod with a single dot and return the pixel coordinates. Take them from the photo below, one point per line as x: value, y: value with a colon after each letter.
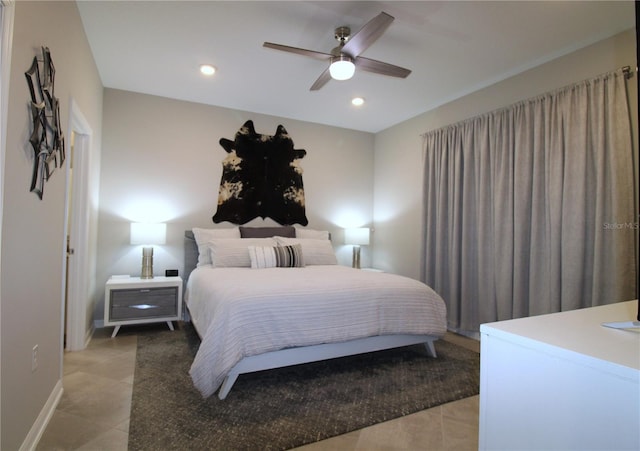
x: 627, y: 72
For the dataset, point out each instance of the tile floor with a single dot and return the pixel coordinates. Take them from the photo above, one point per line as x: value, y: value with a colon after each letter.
x: 93, y: 413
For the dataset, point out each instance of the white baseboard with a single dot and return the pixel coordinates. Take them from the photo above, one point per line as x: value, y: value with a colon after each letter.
x: 88, y: 336
x: 38, y: 428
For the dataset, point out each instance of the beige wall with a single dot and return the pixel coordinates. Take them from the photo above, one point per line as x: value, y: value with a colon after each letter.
x: 398, y: 150
x: 162, y: 157
x: 33, y: 229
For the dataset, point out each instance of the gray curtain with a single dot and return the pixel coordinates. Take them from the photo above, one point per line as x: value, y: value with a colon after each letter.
x: 530, y: 209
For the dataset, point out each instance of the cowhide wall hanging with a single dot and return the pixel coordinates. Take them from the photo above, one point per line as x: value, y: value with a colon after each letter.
x: 261, y: 177
x: 46, y: 137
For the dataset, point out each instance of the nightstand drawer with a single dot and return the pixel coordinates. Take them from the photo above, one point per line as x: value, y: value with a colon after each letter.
x: 143, y: 303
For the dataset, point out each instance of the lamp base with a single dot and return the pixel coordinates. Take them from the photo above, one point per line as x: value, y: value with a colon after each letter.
x: 147, y: 266
x: 356, y: 257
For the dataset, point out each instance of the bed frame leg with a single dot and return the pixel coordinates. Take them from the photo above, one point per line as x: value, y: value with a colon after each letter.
x: 431, y: 349
x: 228, y: 382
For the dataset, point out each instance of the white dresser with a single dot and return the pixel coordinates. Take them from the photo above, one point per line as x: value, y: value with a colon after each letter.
x: 561, y: 381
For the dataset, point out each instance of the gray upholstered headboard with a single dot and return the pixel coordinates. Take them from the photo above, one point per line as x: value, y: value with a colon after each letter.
x: 190, y: 253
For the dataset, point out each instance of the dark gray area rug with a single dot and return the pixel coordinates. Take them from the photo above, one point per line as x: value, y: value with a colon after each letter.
x: 287, y: 407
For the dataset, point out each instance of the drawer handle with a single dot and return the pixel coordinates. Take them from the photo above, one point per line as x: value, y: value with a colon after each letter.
x: 143, y: 306
x: 144, y: 290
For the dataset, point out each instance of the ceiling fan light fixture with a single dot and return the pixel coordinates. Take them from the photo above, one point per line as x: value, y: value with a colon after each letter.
x: 342, y: 67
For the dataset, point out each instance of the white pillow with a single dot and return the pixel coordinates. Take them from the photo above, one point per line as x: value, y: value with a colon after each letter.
x: 312, y: 234
x: 276, y: 256
x: 316, y: 252
x: 234, y: 252
x: 205, y: 236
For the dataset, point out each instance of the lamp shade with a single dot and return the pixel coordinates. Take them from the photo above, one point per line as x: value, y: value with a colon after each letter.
x: 147, y: 233
x: 357, y: 236
x: 342, y: 68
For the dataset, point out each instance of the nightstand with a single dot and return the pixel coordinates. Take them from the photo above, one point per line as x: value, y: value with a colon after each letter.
x: 132, y: 300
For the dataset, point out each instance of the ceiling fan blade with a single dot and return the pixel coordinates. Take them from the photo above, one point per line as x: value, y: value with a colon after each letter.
x: 367, y: 35
x: 321, y: 81
x: 378, y: 67
x: 311, y: 53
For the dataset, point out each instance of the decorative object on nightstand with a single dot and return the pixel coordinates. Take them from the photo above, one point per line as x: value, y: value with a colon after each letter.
x: 148, y: 234
x: 357, y: 237
x: 133, y: 300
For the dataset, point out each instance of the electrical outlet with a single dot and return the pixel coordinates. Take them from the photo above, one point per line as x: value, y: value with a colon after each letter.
x: 34, y: 358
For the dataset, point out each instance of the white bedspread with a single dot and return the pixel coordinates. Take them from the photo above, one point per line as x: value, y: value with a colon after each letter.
x: 240, y: 312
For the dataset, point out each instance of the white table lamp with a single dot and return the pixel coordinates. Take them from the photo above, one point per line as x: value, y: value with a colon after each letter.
x: 357, y: 237
x: 148, y: 234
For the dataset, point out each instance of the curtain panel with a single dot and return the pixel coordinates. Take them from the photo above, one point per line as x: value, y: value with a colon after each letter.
x: 530, y: 209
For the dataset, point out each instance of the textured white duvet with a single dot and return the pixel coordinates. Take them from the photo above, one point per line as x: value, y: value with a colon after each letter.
x: 240, y: 312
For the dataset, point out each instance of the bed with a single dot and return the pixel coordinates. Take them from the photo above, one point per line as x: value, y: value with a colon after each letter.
x: 254, y: 311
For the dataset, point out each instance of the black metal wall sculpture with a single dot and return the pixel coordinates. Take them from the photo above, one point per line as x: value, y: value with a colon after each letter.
x: 46, y: 137
x: 261, y: 177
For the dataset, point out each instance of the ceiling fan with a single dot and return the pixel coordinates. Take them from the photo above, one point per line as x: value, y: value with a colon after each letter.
x: 346, y: 56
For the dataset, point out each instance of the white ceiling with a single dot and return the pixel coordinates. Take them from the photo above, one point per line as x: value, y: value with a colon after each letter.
x: 452, y: 47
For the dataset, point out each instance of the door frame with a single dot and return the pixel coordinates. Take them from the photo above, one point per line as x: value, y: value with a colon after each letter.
x: 75, y: 294
x: 7, y: 11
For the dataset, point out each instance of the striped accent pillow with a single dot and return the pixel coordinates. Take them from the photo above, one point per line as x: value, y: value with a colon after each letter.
x: 316, y: 252
x: 276, y: 257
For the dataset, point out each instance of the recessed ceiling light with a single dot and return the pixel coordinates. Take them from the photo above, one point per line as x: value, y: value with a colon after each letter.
x: 207, y: 69
x: 357, y: 101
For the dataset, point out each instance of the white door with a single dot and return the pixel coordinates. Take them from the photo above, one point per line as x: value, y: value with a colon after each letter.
x: 76, y: 318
